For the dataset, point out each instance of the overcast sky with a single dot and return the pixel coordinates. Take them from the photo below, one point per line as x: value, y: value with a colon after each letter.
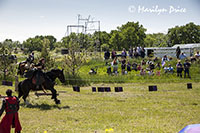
x: 21, y: 19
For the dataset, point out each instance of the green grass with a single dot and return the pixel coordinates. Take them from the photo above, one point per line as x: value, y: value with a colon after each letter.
x: 136, y: 109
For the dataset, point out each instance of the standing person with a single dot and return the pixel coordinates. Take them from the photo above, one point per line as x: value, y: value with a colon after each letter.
x: 179, y: 68
x: 114, y: 54
x: 124, y: 54
x: 143, y: 63
x: 134, y: 66
x: 107, y: 55
x: 142, y: 52
x: 135, y: 53
x: 11, y: 118
x: 139, y: 51
x: 130, y: 52
x: 142, y: 72
x: 186, y: 68
x: 115, y: 65
x: 178, y: 52
x: 123, y: 65
x: 128, y: 66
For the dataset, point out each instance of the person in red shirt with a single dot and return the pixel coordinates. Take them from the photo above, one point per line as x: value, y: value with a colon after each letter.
x: 11, y: 119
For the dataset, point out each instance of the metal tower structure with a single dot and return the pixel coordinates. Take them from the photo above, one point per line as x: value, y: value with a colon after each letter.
x: 86, y: 26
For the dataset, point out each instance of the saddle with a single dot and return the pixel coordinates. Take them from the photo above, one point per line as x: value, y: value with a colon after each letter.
x: 40, y: 79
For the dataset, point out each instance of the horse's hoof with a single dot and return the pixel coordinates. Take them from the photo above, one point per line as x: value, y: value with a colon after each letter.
x: 27, y: 103
x: 57, y: 101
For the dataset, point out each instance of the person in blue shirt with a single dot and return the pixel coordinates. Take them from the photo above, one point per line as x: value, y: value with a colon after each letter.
x: 186, y: 68
x: 179, y: 68
x: 182, y: 56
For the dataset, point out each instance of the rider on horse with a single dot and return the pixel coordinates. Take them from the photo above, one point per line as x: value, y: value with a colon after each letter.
x: 38, y: 74
x: 26, y: 65
x: 30, y: 59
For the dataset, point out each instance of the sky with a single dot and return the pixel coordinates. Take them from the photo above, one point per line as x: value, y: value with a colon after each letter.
x: 21, y: 19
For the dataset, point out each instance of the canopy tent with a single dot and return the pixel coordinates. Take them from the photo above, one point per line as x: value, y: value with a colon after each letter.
x: 192, y: 45
x: 187, y: 49
x: 194, y: 128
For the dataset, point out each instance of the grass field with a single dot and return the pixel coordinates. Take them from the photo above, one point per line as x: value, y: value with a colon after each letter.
x: 136, y: 109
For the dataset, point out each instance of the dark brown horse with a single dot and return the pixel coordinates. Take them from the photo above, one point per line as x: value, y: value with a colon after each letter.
x: 27, y: 85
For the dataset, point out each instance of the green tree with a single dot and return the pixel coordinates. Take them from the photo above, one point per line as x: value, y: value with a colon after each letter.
x: 156, y: 40
x: 49, y: 62
x: 102, y: 36
x: 35, y: 44
x: 7, y: 64
x: 128, y: 35
x: 66, y: 41
x: 104, y: 47
x: 75, y: 59
x: 185, y: 34
x: 116, y: 40
x: 52, y: 41
x: 134, y: 34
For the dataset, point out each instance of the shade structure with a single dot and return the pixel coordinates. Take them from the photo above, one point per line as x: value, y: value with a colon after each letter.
x: 194, y: 128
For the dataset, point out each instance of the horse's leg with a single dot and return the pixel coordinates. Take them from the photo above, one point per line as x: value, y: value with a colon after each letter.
x: 25, y: 96
x: 54, y: 96
x: 48, y: 85
x: 20, y: 93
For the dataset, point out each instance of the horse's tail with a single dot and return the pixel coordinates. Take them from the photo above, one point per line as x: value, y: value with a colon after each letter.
x: 20, y: 92
x: 19, y: 87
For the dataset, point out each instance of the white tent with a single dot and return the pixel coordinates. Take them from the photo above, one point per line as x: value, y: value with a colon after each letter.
x: 187, y: 49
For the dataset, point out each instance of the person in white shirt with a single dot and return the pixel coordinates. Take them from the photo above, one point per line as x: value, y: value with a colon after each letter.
x: 197, y: 55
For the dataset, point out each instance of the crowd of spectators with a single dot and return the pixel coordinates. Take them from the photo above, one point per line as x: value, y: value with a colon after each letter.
x: 132, y: 53
x: 147, y: 67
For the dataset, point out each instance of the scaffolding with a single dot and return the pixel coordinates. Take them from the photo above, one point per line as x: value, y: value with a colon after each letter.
x: 86, y: 26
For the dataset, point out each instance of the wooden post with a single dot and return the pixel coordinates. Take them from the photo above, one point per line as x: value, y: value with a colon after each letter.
x: 16, y: 83
x: 44, y: 94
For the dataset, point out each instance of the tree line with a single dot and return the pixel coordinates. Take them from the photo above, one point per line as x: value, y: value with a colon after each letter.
x: 131, y: 34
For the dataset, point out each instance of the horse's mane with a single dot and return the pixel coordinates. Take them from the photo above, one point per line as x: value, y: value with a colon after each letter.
x: 52, y: 73
x: 55, y: 70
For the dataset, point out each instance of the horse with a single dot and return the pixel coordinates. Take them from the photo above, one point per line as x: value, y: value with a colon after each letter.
x: 25, y: 86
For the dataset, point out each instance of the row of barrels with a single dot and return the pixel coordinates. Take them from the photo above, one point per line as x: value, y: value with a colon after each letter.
x: 120, y: 89
x: 100, y: 89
